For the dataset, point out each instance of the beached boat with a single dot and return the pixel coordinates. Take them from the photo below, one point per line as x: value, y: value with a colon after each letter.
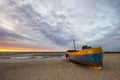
x: 88, y: 56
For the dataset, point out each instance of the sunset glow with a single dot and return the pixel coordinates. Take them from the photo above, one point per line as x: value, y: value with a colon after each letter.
x: 11, y: 49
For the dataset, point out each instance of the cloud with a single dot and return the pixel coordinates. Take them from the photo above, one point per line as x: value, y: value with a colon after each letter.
x: 54, y: 24
x: 10, y: 38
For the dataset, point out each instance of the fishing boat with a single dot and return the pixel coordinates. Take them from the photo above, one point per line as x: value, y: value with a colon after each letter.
x: 89, y: 56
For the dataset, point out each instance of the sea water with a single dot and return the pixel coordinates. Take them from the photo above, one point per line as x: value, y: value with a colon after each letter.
x: 27, y: 56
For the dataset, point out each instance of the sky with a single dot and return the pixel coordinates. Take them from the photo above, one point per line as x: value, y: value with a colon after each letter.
x: 53, y: 24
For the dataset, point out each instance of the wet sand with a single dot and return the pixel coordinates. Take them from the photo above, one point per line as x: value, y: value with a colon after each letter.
x: 60, y: 69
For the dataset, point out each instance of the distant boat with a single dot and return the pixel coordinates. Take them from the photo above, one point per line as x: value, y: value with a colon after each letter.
x: 92, y: 57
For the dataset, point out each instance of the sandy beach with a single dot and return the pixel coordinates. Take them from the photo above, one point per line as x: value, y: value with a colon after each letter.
x: 60, y: 69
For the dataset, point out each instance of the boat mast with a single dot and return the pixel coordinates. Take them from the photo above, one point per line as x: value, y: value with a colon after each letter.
x: 74, y: 45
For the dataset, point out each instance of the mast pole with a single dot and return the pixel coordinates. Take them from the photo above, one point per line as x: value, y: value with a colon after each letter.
x: 74, y: 45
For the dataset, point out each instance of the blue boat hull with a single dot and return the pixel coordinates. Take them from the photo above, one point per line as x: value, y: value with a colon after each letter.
x: 89, y: 59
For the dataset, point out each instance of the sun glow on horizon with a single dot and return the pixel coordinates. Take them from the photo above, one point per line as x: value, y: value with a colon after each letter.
x: 11, y: 49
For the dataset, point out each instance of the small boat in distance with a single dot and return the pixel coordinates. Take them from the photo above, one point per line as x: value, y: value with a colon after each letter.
x: 93, y: 57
